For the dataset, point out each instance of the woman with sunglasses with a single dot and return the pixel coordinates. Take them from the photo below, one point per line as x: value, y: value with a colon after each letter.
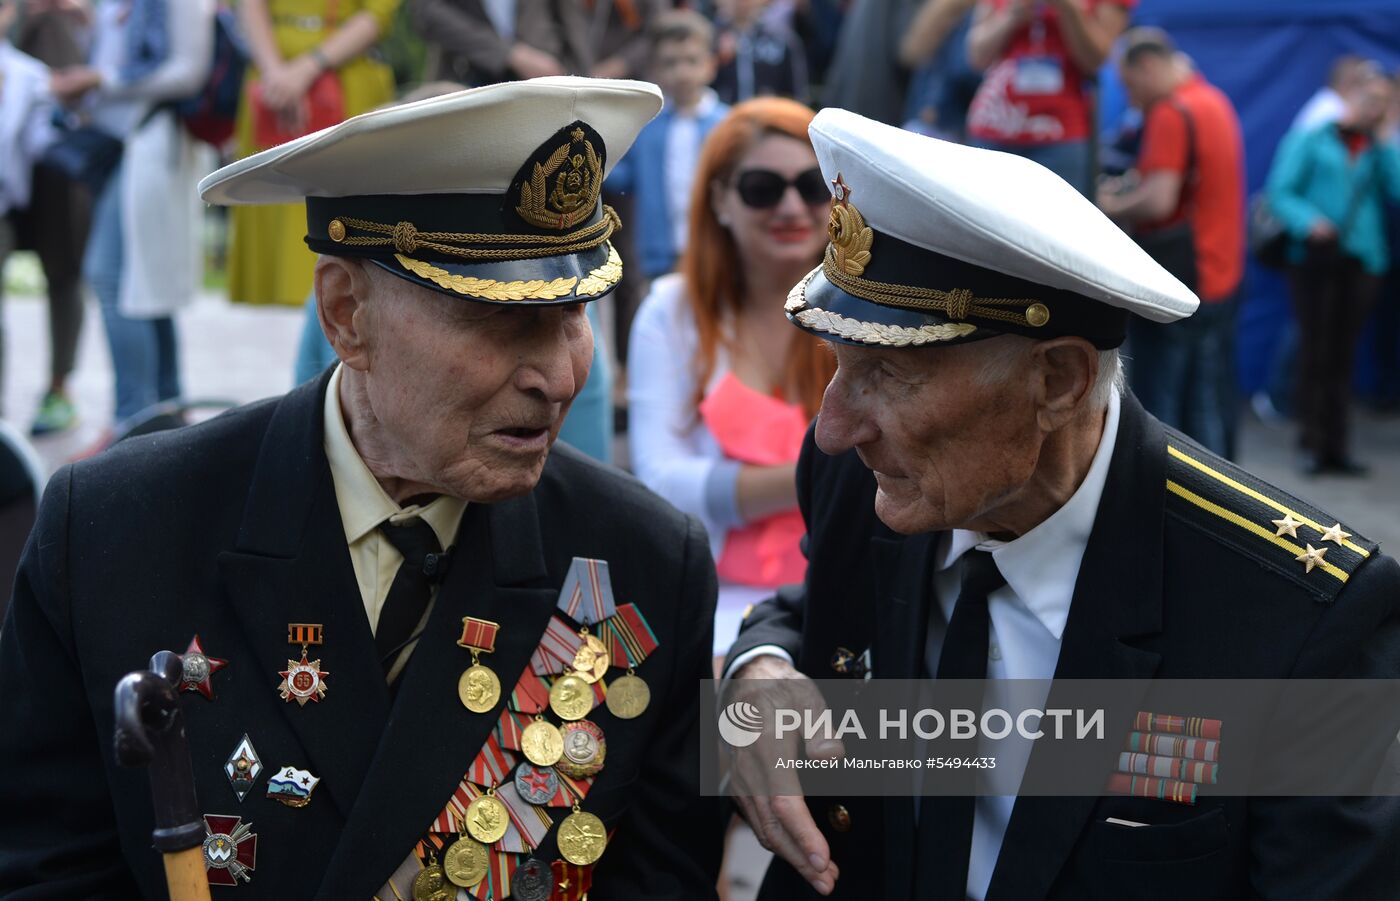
x: 720, y: 387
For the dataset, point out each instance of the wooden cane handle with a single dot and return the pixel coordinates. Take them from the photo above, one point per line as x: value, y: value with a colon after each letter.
x: 185, y: 875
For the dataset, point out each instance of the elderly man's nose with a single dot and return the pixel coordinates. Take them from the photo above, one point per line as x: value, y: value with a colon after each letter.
x: 841, y: 425
x: 548, y: 366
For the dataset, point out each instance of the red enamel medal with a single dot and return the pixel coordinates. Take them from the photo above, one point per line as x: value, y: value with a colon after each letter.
x: 197, y: 669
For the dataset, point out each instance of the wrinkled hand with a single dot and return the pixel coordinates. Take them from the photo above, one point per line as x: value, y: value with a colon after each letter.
x: 771, y: 799
x: 531, y: 62
x: 69, y: 85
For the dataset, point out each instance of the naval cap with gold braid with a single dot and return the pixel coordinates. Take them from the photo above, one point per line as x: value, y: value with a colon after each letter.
x: 491, y: 194
x: 934, y: 243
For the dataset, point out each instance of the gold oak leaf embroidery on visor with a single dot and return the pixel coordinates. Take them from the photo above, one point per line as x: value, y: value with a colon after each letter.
x: 489, y: 288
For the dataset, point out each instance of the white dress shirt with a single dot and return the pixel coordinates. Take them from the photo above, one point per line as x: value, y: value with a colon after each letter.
x: 1028, y: 616
x: 683, y: 142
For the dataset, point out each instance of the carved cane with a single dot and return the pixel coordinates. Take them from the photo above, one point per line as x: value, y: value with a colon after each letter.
x: 151, y: 732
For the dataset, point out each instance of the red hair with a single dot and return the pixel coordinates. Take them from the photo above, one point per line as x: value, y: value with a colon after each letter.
x: 710, y: 265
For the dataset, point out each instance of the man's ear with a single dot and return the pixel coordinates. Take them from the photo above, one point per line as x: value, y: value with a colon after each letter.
x: 1067, y: 370
x: 343, y: 287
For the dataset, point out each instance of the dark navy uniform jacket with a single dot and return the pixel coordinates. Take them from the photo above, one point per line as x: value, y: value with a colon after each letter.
x: 1183, y: 578
x: 230, y: 529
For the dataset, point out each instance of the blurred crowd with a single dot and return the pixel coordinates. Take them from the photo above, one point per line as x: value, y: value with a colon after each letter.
x: 113, y: 110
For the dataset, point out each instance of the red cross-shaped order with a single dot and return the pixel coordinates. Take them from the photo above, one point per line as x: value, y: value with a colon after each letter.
x: 230, y: 849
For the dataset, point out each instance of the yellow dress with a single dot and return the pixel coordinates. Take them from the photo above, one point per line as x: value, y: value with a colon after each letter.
x: 268, y: 262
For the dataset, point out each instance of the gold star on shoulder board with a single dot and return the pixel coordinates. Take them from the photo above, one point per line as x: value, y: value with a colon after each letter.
x: 1311, y: 557
x: 1287, y: 526
x: 1335, y: 533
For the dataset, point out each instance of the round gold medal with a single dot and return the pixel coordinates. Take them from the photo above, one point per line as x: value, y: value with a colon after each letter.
x: 571, y: 697
x: 628, y: 696
x: 487, y: 819
x: 541, y: 743
x: 591, y: 660
x: 465, y: 863
x: 431, y: 885
x: 479, y: 688
x: 582, y: 838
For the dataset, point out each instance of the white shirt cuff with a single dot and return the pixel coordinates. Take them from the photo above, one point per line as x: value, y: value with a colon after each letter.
x: 750, y: 654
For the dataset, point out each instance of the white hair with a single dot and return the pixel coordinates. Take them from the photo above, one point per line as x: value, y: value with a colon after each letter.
x: 1003, y: 356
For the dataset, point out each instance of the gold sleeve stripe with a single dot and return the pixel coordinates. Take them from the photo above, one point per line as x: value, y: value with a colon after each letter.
x: 1261, y: 498
x: 1232, y: 517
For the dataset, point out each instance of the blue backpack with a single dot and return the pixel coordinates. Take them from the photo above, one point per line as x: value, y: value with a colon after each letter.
x: 210, y: 114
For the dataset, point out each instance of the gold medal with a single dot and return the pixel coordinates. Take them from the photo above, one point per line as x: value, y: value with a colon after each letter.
x: 479, y: 688
x: 541, y: 742
x: 431, y: 883
x: 628, y: 696
x: 465, y: 863
x: 581, y: 838
x: 571, y: 697
x: 591, y: 660
x: 585, y: 749
x: 487, y: 818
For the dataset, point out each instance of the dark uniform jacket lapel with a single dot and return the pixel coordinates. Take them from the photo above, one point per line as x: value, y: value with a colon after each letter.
x: 293, y: 566
x: 903, y: 572
x: 1117, y: 598
x: 498, y: 574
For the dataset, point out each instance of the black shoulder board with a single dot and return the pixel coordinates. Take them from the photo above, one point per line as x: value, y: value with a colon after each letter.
x: 1290, y: 536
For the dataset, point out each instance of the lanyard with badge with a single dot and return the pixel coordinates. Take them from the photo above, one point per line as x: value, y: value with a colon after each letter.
x: 1039, y: 72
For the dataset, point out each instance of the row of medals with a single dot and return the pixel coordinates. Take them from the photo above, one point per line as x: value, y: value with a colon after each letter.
x: 581, y: 837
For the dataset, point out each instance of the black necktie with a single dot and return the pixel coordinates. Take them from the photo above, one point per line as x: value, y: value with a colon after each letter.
x: 424, y: 564
x: 944, y: 840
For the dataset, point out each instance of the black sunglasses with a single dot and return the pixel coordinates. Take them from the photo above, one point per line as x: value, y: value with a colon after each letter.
x: 763, y: 189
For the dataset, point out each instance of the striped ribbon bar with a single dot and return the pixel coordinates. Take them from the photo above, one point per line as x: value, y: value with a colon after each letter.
x: 530, y: 695
x: 570, y: 790
x: 557, y: 648
x: 587, y: 595
x: 628, y: 637
x: 478, y: 634
x: 1173, y: 746
x: 491, y: 765
x: 571, y: 881
x: 1194, y: 726
x: 1152, y: 787
x: 528, y: 823
x: 432, y: 842
x: 1169, y: 767
x: 304, y: 633
x: 509, y: 728
x: 449, y: 820
x: 502, y: 867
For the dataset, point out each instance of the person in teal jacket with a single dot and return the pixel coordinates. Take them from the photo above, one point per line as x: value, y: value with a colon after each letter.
x: 1327, y: 186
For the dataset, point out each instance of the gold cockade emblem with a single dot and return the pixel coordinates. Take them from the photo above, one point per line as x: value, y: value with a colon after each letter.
x: 850, y: 236
x: 563, y: 190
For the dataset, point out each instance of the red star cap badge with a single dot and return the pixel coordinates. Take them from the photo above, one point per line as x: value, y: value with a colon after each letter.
x: 198, y: 668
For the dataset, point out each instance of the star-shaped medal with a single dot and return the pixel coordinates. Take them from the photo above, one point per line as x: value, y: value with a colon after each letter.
x: 1311, y: 557
x: 197, y: 669
x: 303, y: 681
x: 1287, y: 526
x: 1335, y: 533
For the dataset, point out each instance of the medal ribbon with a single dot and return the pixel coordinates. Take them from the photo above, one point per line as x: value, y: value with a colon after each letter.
x: 531, y: 695
x: 509, y: 729
x: 502, y: 866
x: 491, y: 764
x: 529, y: 823
x: 456, y: 809
x: 587, y: 595
x: 628, y: 636
x: 479, y: 634
x: 570, y: 790
x: 1193, y: 726
x: 557, y: 648
x: 577, y: 879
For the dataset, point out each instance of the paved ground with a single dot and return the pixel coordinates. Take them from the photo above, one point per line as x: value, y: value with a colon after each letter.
x: 240, y: 354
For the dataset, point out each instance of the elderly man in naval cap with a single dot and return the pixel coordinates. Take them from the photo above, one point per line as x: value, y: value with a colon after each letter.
x: 402, y: 545
x: 983, y: 499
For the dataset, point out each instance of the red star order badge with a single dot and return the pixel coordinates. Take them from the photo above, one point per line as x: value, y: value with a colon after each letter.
x: 230, y: 850
x: 198, y: 668
x: 303, y: 681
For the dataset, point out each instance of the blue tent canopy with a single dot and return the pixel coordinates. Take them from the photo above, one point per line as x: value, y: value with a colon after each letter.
x: 1270, y: 56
